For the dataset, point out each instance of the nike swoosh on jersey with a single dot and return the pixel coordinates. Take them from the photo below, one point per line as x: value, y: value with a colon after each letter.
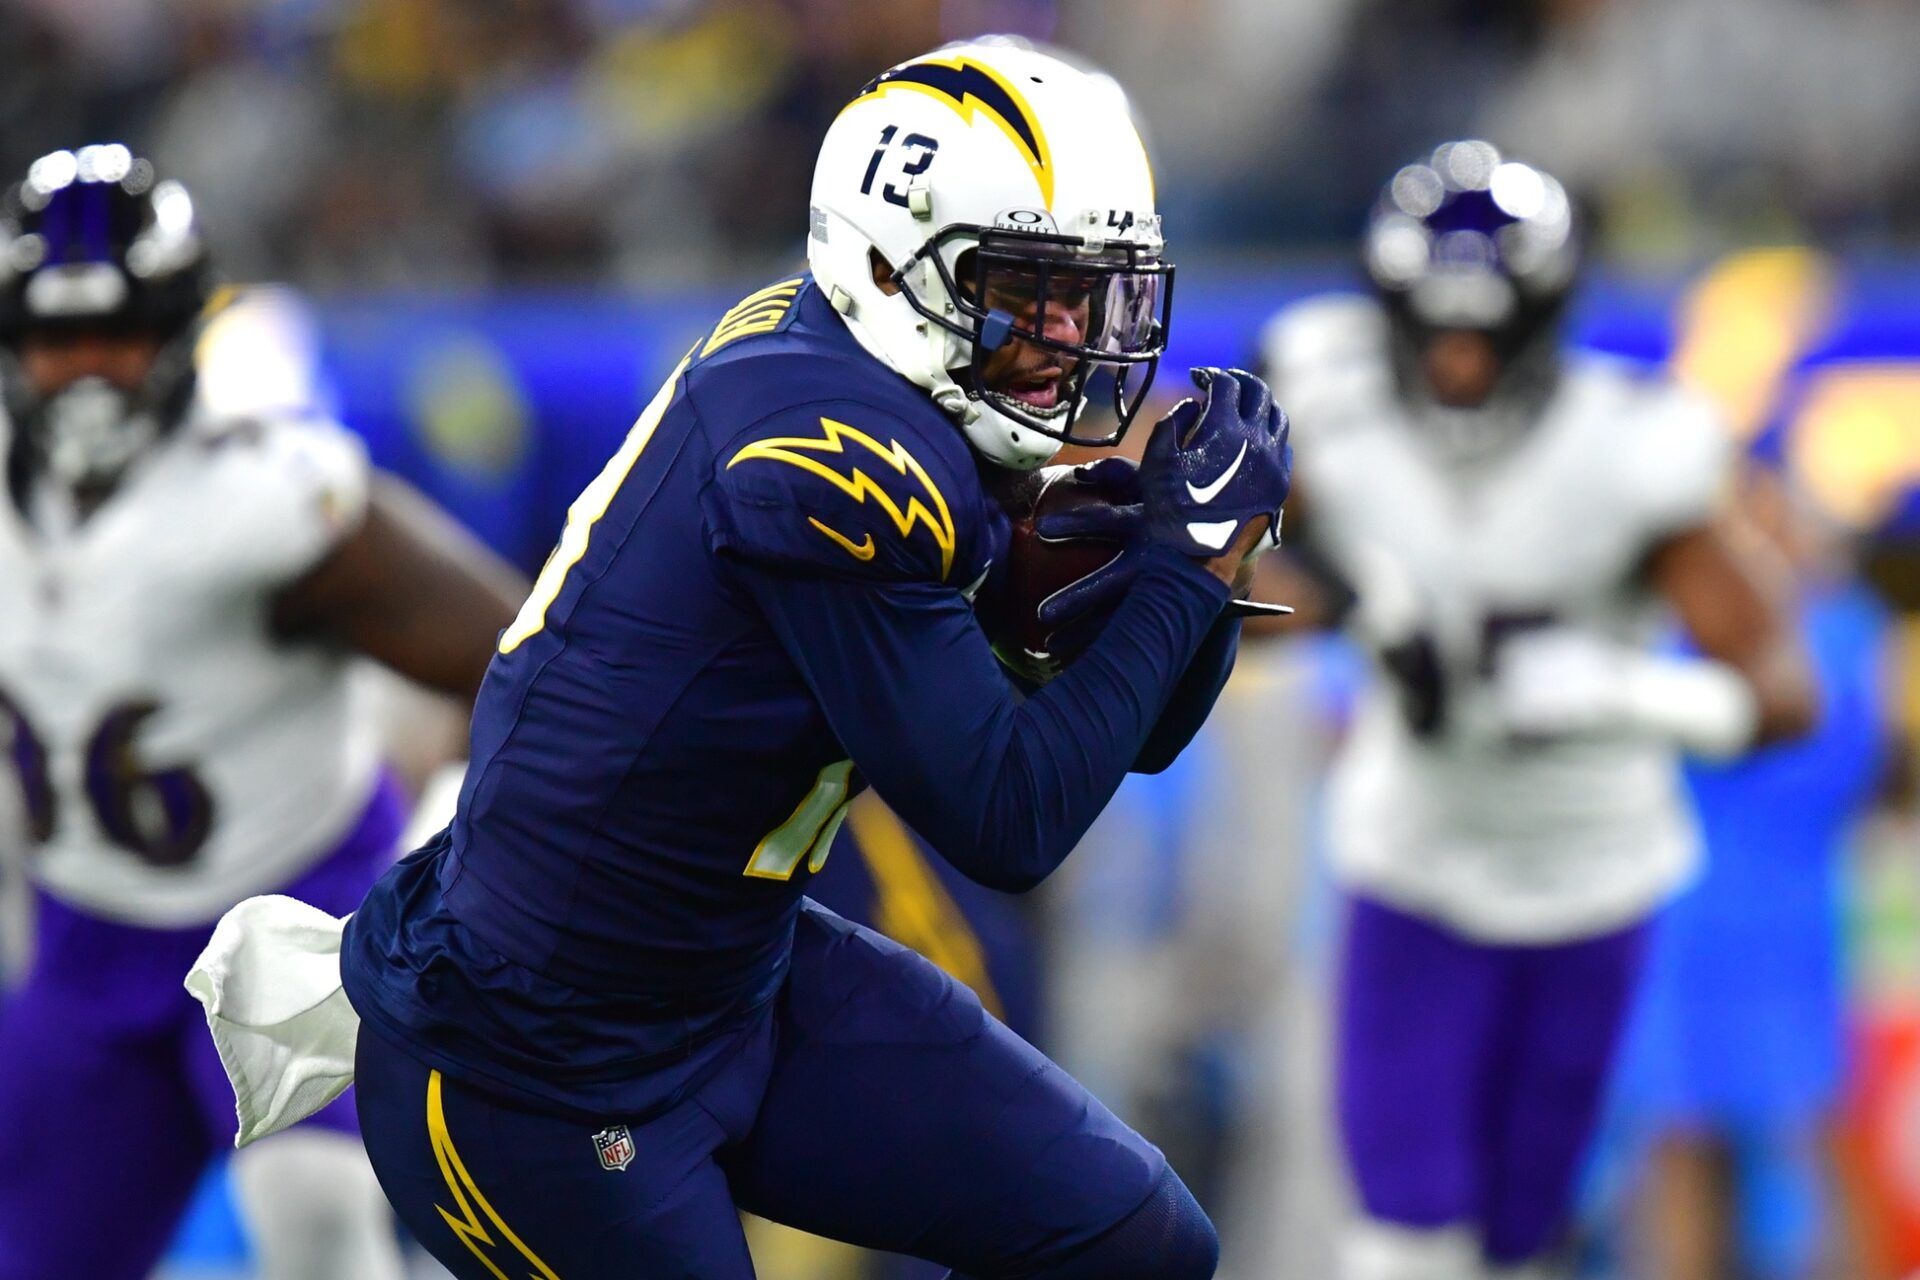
x: 1204, y: 494
x: 861, y: 550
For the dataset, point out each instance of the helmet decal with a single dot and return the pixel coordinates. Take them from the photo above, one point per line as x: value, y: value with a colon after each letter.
x: 969, y: 86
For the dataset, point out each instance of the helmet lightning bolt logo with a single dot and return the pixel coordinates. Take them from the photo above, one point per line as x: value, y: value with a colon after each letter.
x: 806, y: 453
x: 968, y: 87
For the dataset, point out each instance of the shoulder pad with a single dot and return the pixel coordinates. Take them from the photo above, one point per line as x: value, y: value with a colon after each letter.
x: 1326, y: 359
x: 1677, y: 456
x: 1328, y: 326
x: 847, y: 489
x: 290, y: 487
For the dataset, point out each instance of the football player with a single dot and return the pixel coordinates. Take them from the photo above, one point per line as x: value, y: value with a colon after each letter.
x: 1517, y: 521
x: 181, y: 599
x: 600, y: 1017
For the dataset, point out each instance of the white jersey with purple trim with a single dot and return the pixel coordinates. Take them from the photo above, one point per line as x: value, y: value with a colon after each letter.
x: 1507, y: 844
x: 171, y: 756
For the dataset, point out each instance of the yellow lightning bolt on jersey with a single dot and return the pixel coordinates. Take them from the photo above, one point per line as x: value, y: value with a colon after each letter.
x: 807, y: 454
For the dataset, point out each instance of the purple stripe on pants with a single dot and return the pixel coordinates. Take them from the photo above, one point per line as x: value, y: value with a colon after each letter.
x: 112, y: 1098
x: 1469, y: 1076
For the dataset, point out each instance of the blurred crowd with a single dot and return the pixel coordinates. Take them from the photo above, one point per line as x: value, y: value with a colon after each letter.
x: 362, y: 143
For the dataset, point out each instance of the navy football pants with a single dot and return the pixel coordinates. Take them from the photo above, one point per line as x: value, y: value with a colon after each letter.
x: 879, y: 1105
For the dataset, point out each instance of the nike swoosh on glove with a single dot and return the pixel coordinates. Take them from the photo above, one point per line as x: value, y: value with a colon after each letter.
x: 1214, y: 463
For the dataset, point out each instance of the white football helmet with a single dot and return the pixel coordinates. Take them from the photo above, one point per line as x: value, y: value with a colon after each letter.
x: 992, y: 161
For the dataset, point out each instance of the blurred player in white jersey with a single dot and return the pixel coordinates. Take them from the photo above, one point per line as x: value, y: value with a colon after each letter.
x: 1514, y: 521
x: 182, y: 595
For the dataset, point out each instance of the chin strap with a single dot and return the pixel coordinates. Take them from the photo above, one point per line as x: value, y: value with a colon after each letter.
x: 955, y: 403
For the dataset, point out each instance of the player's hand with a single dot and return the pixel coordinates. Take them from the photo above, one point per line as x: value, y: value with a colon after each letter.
x: 1557, y: 682
x: 1216, y: 471
x: 1075, y: 611
x: 1391, y: 617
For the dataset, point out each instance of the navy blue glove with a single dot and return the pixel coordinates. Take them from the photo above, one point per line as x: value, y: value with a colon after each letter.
x: 1216, y: 462
x: 1074, y: 612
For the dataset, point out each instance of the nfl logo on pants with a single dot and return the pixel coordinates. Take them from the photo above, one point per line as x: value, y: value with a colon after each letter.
x: 615, y: 1146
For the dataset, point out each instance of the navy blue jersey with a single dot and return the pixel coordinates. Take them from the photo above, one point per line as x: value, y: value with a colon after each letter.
x: 650, y: 776
x: 761, y: 604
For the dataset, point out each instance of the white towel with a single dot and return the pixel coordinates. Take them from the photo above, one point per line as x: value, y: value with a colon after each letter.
x: 270, y: 982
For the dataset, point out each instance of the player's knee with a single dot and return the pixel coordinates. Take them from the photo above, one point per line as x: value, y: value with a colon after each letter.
x: 1175, y: 1232
x: 1373, y: 1250
x: 1169, y: 1237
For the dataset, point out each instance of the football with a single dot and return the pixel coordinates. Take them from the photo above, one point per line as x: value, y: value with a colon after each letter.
x: 1036, y: 567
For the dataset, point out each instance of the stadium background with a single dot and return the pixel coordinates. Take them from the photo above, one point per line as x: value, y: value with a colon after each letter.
x: 503, y: 219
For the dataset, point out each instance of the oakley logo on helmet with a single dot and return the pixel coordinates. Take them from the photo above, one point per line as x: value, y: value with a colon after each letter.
x: 1038, y: 220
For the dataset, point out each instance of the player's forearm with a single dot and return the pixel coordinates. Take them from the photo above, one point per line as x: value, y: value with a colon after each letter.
x: 1002, y: 788
x: 410, y: 589
x: 1560, y: 682
x: 1072, y: 743
x: 1712, y: 709
x: 1193, y: 698
x: 1786, y: 702
x: 1731, y: 590
x: 1703, y: 707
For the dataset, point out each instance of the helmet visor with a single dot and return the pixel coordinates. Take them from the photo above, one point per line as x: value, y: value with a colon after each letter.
x: 1074, y: 308
x: 1107, y: 304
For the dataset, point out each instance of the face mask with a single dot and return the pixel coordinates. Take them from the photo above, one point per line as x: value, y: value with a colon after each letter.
x: 90, y: 430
